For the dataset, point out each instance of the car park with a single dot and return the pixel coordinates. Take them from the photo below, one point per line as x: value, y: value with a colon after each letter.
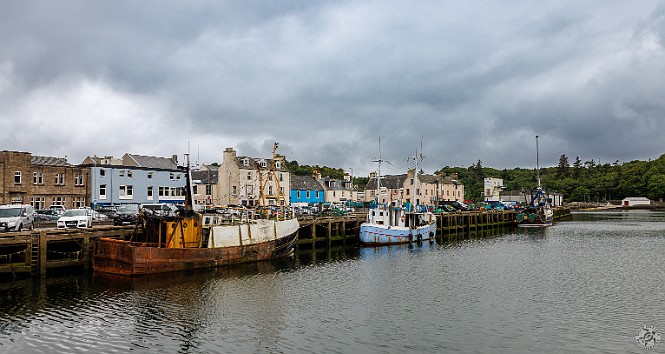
x: 17, y: 217
x: 75, y: 218
x: 127, y: 214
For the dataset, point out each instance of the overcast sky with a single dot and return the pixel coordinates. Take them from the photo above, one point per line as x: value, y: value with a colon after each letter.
x: 472, y: 80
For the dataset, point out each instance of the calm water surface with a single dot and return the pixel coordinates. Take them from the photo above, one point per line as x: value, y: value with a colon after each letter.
x: 586, y: 285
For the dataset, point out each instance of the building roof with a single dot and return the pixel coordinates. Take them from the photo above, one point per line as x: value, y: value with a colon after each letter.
x: 206, y: 176
x: 637, y: 199
x: 305, y: 183
x: 390, y: 182
x: 253, y: 163
x: 50, y: 161
x: 163, y: 163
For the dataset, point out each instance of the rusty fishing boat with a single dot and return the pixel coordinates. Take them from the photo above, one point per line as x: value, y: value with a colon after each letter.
x: 189, y: 240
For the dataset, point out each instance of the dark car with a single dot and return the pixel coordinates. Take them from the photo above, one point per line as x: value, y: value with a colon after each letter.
x: 453, y: 203
x: 108, y: 210
x: 47, y: 215
x: 126, y: 215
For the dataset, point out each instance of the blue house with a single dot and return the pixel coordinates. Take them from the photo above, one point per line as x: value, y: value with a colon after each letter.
x: 135, y: 179
x: 306, y: 190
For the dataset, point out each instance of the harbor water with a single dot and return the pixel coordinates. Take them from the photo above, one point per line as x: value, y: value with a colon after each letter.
x: 586, y: 285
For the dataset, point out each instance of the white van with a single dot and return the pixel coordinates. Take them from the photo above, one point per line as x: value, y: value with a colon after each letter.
x: 16, y: 217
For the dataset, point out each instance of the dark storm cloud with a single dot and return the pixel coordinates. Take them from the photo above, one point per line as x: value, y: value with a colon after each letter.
x: 471, y: 80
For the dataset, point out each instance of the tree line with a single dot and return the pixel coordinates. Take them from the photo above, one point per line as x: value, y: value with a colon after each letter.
x: 587, y: 181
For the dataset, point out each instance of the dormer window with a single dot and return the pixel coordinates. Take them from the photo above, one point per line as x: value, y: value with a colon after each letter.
x: 245, y: 162
x: 264, y: 164
x: 278, y: 164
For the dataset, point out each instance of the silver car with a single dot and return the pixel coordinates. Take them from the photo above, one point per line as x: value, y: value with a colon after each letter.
x: 15, y: 217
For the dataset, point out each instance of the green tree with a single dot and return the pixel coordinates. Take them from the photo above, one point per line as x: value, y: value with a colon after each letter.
x: 564, y: 165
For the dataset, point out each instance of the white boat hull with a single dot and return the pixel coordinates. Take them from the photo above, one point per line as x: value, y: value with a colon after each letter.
x: 377, y: 234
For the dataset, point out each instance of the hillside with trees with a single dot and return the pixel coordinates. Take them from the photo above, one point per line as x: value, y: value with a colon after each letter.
x: 587, y: 181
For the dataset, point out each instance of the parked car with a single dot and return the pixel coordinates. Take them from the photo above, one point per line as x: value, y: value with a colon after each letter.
x: 58, y: 208
x: 75, y: 218
x: 127, y: 214
x: 162, y: 209
x: 108, y: 210
x: 455, y: 204
x: 47, y: 215
x: 16, y: 217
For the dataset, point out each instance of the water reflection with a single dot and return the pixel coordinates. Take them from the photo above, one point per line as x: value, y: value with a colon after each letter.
x: 523, y: 290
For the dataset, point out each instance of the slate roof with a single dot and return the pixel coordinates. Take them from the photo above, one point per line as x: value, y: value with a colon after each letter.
x: 50, y: 161
x: 390, y: 182
x: 163, y: 163
x: 206, y: 177
x: 305, y: 183
x: 253, y: 162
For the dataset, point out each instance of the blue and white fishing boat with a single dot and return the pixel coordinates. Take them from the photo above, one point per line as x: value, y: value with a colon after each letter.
x: 394, y: 222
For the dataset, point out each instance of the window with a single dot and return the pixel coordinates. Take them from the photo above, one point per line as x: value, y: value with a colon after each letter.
x: 79, y: 202
x: 149, y: 175
x: 234, y: 190
x: 38, y: 202
x: 102, y: 172
x: 178, y: 176
x: 78, y: 180
x: 249, y: 188
x: 171, y: 176
x: 37, y: 178
x: 102, y: 191
x: 149, y: 193
x: 307, y: 194
x: 269, y: 190
x: 281, y: 178
x: 249, y: 176
x: 126, y: 192
x: 122, y: 173
x: 195, y: 189
x: 59, y: 179
x: 129, y: 174
x: 278, y: 165
x: 208, y: 189
x: 333, y: 193
x: 298, y: 194
x: 245, y: 162
x: 17, y: 177
x: 162, y: 191
x: 264, y: 164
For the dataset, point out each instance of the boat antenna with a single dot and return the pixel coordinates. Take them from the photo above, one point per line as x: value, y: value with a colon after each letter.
x: 537, y: 164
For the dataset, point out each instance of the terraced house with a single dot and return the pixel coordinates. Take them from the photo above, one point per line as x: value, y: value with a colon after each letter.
x: 429, y: 189
x: 135, y: 179
x: 42, y: 181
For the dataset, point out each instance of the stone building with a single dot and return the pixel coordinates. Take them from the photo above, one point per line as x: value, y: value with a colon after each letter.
x: 241, y: 179
x: 42, y: 181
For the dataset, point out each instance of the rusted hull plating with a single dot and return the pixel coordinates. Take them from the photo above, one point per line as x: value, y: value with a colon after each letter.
x: 121, y: 257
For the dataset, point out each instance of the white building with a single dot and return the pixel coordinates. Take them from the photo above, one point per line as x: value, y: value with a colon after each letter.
x: 633, y: 201
x: 492, y: 188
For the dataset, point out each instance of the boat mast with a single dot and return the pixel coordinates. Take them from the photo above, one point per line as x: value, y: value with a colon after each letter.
x: 378, y: 177
x: 537, y: 164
